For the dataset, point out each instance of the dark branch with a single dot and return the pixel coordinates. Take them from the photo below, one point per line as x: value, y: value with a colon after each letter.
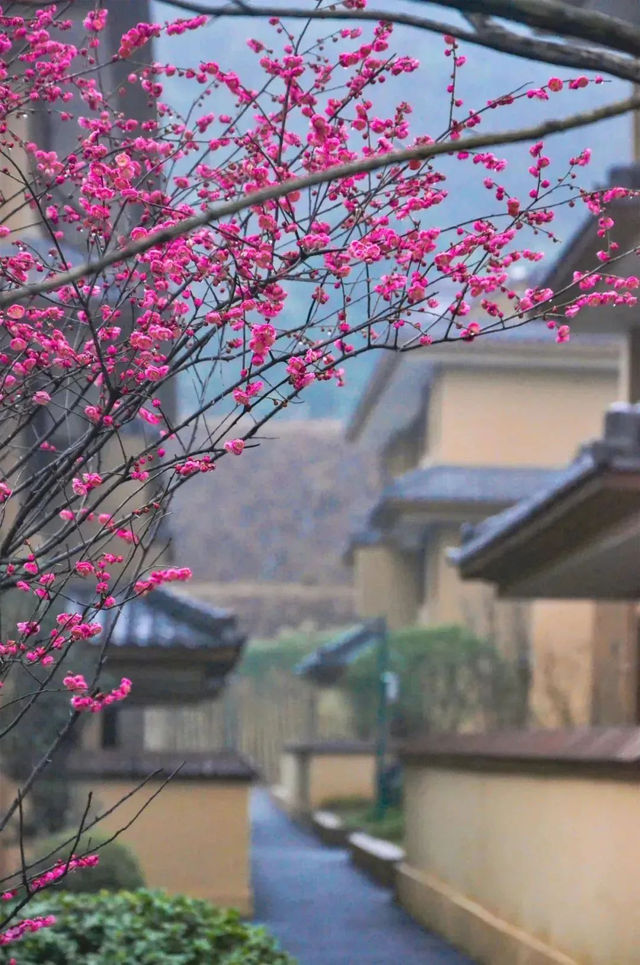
x: 490, y: 36
x: 560, y: 19
x: 419, y: 152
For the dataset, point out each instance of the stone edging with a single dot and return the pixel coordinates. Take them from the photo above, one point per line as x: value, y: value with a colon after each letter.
x: 376, y: 857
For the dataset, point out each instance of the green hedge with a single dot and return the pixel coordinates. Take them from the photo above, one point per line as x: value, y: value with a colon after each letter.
x: 141, y: 928
x: 263, y: 657
x: 449, y: 680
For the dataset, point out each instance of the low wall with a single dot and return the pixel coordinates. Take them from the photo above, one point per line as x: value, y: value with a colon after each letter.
x: 316, y: 772
x: 194, y: 837
x: 524, y: 849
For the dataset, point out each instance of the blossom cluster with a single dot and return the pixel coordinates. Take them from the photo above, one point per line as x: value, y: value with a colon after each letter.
x: 84, y: 701
x: 158, y: 577
x: 105, y: 350
x: 25, y: 927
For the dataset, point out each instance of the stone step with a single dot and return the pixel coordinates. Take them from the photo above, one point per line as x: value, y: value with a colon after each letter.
x: 329, y: 828
x: 378, y: 858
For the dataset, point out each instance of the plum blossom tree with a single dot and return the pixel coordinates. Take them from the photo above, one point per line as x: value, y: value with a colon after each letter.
x: 284, y: 226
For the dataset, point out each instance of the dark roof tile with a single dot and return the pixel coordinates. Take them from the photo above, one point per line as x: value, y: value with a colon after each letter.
x: 165, y: 620
x: 468, y: 484
x: 187, y: 765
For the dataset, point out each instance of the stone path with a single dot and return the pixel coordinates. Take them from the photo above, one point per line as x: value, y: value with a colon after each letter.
x: 322, y: 910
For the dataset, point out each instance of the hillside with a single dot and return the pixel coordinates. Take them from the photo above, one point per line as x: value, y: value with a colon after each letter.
x: 281, y: 512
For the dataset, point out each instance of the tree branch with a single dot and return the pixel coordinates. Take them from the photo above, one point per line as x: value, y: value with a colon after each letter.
x: 560, y: 19
x: 492, y: 37
x: 419, y: 152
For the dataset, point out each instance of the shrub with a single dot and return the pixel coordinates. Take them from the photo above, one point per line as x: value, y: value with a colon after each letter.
x: 143, y: 928
x: 117, y: 870
x: 263, y: 657
x: 449, y: 680
x: 359, y: 814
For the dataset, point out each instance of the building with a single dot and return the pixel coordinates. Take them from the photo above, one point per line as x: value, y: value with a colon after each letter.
x: 463, y: 431
x: 608, y: 657
x: 178, y: 652
x: 579, y: 538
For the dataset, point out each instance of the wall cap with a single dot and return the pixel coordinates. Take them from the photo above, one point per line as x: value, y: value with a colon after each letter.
x: 329, y: 747
x: 613, y: 751
x: 221, y: 765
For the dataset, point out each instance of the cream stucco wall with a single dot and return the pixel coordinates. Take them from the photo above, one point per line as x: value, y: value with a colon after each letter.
x: 193, y: 838
x: 308, y: 780
x: 519, y: 868
x: 562, y: 649
x: 582, y: 654
x: 616, y: 678
x: 341, y: 775
x: 387, y: 584
x: 449, y: 599
x: 503, y: 417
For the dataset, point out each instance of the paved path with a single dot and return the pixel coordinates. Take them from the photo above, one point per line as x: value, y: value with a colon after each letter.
x: 322, y: 910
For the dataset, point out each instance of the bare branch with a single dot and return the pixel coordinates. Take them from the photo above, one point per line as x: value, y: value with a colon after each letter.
x: 558, y: 18
x: 491, y: 36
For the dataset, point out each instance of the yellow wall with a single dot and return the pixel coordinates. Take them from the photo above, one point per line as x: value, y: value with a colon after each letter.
x: 562, y: 643
x: 501, y: 417
x: 192, y: 839
x: 522, y: 869
x: 307, y: 780
x: 341, y: 775
x: 449, y: 599
x: 386, y: 584
x: 615, y: 679
x: 583, y: 654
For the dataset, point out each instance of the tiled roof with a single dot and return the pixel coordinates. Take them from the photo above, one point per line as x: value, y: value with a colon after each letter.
x: 618, y: 450
x: 468, y: 484
x: 436, y: 487
x: 163, y: 620
x: 476, y: 538
x: 185, y: 765
x: 326, y: 664
x: 613, y: 748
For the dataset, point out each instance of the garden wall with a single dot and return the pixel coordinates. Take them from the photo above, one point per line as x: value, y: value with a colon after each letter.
x: 312, y: 773
x: 525, y: 848
x: 194, y: 837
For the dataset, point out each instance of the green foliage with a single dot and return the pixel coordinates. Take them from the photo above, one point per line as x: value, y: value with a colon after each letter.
x: 358, y: 814
x: 449, y: 680
x: 142, y: 928
x: 271, y: 656
x: 118, y: 868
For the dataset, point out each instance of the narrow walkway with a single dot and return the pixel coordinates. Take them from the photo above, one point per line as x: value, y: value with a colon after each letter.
x: 322, y: 910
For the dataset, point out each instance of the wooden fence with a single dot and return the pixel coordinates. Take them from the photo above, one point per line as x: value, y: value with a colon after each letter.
x: 255, y: 717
